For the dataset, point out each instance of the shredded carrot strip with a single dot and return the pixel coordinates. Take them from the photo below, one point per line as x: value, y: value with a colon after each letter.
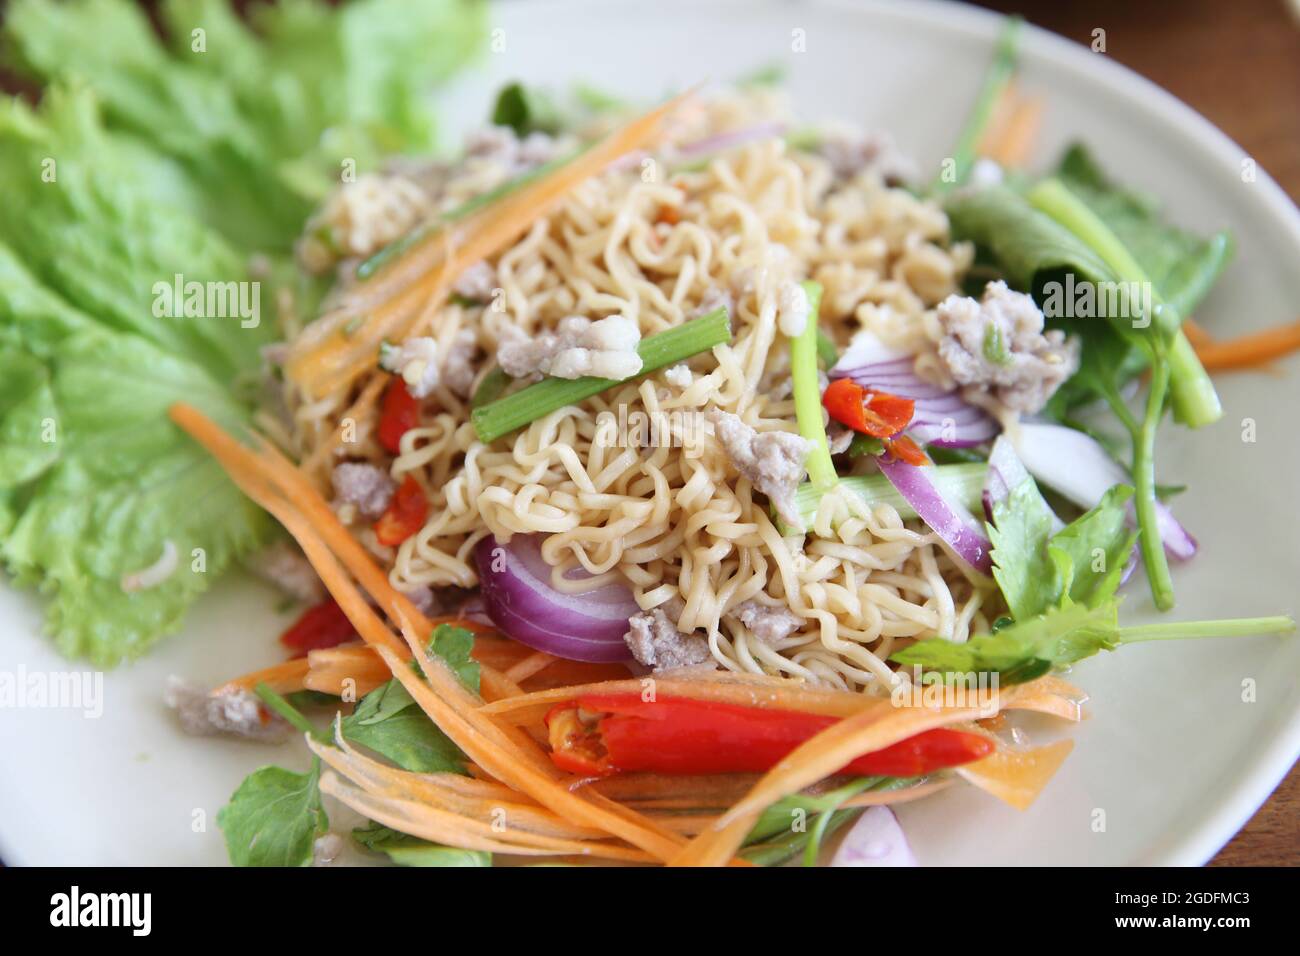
x: 474, y: 734
x: 359, y: 409
x: 286, y: 678
x: 1047, y: 694
x: 345, y: 353
x: 1014, y: 146
x: 532, y: 664
x: 1195, y: 334
x: 1249, y: 351
x: 1017, y: 777
x: 512, y: 758
x: 1003, y: 110
x: 871, y: 729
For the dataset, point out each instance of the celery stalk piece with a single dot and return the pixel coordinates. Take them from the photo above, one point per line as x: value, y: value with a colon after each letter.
x: 807, y: 394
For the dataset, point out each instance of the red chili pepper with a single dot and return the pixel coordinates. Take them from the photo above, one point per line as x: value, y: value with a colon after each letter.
x: 400, y: 413
x: 597, y: 735
x: 870, y: 412
x: 405, y: 514
x: 324, y: 625
x: 904, y: 449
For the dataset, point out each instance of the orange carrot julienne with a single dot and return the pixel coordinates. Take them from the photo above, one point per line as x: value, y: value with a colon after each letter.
x: 511, y: 757
x: 1248, y: 351
x: 345, y: 353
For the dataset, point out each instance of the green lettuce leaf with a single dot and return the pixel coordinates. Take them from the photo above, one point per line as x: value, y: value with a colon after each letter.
x: 259, y: 118
x: 126, y: 482
x: 28, y: 418
x: 1183, y: 266
x: 98, y: 235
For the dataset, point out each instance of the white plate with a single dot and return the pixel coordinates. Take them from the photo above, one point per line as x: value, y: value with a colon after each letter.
x: 1173, y: 756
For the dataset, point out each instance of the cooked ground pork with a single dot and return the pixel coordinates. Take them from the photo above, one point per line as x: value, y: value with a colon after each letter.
x: 416, y: 360
x: 460, y: 363
x: 770, y: 625
x: 679, y: 375
x: 850, y: 152
x: 577, y: 347
x: 360, y: 219
x: 655, y: 642
x: 285, y: 566
x: 237, y: 713
x: 424, y: 364
x: 714, y: 298
x: 368, y: 487
x: 998, y: 344
x: 476, y: 282
x: 792, y: 308
x: 772, y: 461
x: 499, y: 144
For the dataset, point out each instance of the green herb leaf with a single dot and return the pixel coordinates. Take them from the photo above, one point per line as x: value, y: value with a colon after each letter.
x: 388, y: 721
x: 274, y: 818
x: 1022, y: 525
x: 1025, y: 649
x: 454, y: 645
x: 525, y: 110
x: 1095, y: 547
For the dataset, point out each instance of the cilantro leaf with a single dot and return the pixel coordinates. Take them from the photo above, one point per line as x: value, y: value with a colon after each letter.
x: 405, y: 850
x: 453, y: 645
x: 1094, y: 548
x: 1022, y: 525
x: 388, y: 722
x: 274, y: 818
x: 1025, y: 649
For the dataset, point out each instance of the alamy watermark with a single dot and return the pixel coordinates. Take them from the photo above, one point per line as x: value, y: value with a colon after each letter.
x: 683, y: 428
x: 182, y: 299
x: 53, y: 690
x: 968, y: 689
x: 1098, y: 300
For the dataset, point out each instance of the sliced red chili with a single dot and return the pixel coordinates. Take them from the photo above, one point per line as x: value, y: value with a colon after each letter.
x: 575, y: 744
x: 868, y: 411
x: 904, y: 449
x: 399, y: 414
x: 321, y: 626
x: 601, y: 734
x: 405, y: 515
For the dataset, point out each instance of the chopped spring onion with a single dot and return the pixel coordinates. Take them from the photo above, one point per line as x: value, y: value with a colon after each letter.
x: 674, y: 345
x: 491, y: 388
x: 961, y: 483
x: 827, y: 350
x: 1195, y: 401
x: 996, y: 80
x: 807, y: 393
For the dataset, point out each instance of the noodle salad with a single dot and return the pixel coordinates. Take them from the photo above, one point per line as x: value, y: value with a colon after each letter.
x: 657, y: 481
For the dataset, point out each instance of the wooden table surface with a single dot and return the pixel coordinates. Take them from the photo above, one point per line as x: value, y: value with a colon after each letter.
x: 1237, y: 63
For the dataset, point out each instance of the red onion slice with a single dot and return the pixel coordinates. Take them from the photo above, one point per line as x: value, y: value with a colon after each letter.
x: 949, y: 519
x: 1078, y: 467
x: 732, y: 138
x: 1007, y: 473
x: 876, y: 839
x: 515, y: 582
